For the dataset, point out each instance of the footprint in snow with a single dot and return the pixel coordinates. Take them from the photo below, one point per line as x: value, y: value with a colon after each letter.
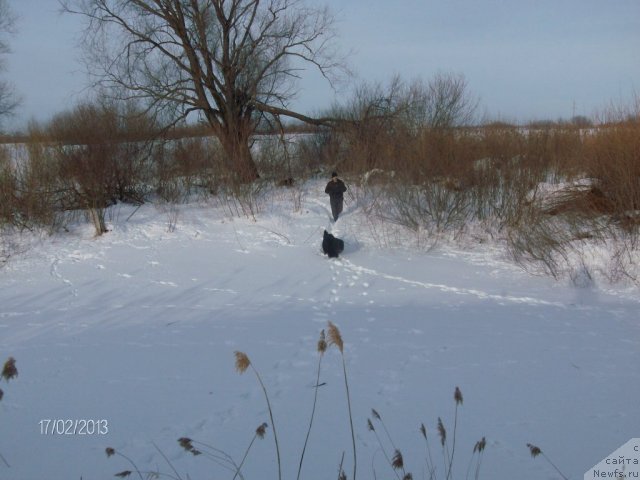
x: 168, y: 284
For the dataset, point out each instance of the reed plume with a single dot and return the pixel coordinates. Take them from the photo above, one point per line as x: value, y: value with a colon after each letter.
x: 442, y: 432
x: 322, y: 344
x: 9, y: 370
x: 397, y: 462
x: 535, y: 451
x: 457, y: 396
x: 187, y: 444
x: 261, y: 431
x: 242, y: 361
x: 335, y: 338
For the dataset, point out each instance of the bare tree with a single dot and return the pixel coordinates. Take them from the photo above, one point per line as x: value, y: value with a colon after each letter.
x: 234, y: 62
x: 9, y: 101
x: 444, y: 101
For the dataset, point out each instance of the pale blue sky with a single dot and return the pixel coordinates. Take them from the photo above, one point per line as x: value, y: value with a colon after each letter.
x: 524, y: 59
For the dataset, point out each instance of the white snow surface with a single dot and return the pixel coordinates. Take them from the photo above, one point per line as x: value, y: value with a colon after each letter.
x: 139, y: 327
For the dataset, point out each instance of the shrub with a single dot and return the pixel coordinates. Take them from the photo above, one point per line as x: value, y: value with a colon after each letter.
x: 7, y: 188
x: 613, y: 162
x: 102, y: 156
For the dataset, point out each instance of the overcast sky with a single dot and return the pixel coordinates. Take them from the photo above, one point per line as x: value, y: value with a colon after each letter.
x: 524, y: 59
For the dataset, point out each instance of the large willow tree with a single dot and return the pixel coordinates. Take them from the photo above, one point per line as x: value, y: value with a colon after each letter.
x: 234, y: 62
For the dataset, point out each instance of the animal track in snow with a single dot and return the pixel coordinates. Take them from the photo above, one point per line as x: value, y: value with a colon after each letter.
x: 56, y: 274
x: 450, y: 289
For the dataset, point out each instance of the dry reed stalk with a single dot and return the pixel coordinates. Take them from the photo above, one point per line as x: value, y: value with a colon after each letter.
x: 335, y: 338
x: 377, y: 416
x: 384, y: 451
x: 442, y: 432
x: 479, y: 449
x: 535, y: 451
x: 457, y: 396
x: 341, y: 474
x: 430, y: 465
x: 259, y: 434
x: 111, y: 451
x: 321, y: 347
x: 156, y: 474
x: 9, y: 371
x: 242, y: 364
x: 216, y: 455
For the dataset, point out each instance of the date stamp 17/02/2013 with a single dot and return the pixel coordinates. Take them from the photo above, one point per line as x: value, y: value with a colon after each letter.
x: 69, y: 426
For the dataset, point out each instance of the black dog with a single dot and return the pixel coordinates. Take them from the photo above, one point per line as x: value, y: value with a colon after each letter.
x: 331, y: 245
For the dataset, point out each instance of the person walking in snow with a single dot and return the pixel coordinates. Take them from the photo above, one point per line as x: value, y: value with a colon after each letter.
x: 335, y: 189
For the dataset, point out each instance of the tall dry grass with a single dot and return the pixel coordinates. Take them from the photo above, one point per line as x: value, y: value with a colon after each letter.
x: 393, y: 455
x: 612, y: 160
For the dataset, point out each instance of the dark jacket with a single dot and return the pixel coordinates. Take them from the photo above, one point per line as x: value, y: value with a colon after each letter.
x: 336, y: 189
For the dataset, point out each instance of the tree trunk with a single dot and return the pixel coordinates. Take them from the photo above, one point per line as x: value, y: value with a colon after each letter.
x: 239, y: 160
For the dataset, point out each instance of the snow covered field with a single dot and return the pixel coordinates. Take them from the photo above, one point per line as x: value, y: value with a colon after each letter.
x: 136, y: 331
